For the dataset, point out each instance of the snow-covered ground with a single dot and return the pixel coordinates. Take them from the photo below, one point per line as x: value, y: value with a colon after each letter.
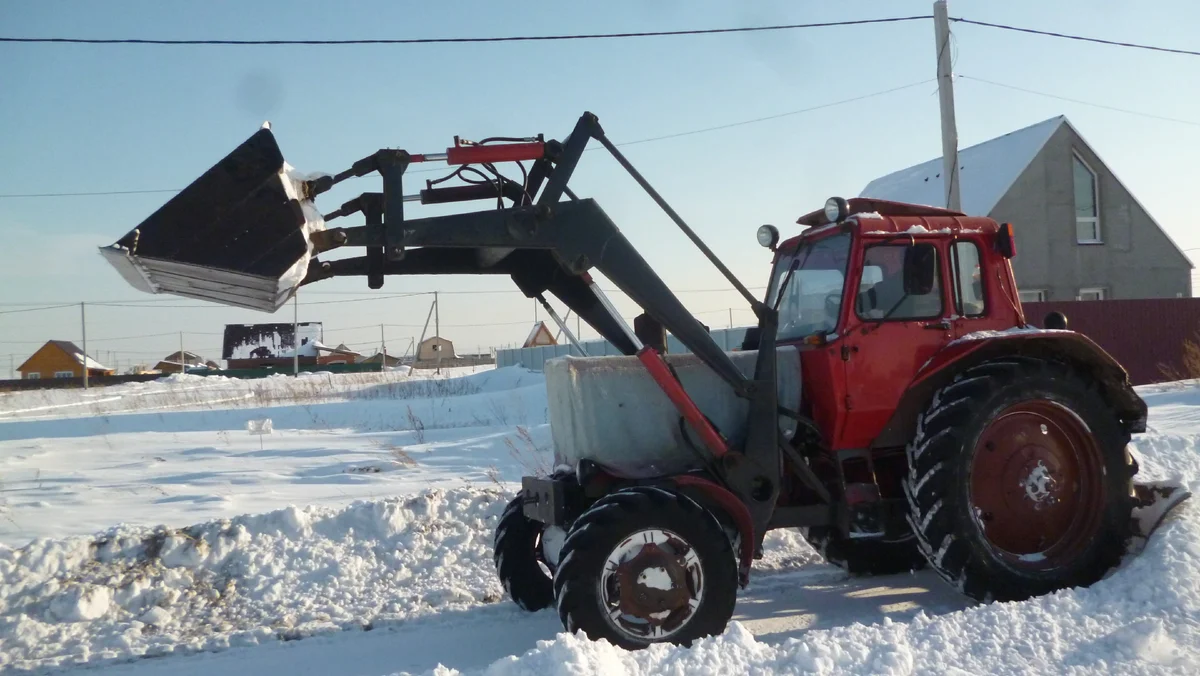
x: 362, y: 525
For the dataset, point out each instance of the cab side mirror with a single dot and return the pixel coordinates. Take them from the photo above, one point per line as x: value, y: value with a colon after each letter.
x: 920, y: 269
x: 1006, y: 244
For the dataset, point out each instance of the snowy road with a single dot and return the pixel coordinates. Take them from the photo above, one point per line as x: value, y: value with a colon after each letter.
x: 774, y: 608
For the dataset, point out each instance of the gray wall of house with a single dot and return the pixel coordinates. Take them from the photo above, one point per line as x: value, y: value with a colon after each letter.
x: 1136, y: 260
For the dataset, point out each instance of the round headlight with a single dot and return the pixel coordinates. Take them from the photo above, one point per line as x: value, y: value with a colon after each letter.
x: 768, y: 236
x: 836, y: 209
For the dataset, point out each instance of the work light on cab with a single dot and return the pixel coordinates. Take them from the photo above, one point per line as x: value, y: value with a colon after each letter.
x: 836, y: 209
x: 768, y: 236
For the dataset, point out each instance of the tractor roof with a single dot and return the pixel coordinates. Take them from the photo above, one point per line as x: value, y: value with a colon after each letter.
x: 872, y: 216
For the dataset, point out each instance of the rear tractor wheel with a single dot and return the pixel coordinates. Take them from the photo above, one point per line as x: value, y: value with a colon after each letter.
x: 1019, y: 481
x: 646, y: 565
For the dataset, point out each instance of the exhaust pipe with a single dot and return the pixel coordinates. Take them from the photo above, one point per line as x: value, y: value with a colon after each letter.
x: 238, y: 235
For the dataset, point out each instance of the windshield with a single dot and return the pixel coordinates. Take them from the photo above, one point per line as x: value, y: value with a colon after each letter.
x: 812, y: 299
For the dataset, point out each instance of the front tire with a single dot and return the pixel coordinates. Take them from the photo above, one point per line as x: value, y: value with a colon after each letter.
x: 646, y: 565
x: 1019, y: 481
x: 518, y: 559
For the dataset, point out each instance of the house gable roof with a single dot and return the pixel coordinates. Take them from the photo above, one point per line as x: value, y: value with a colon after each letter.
x: 1132, y: 196
x: 538, y: 328
x: 987, y: 171
x: 71, y: 350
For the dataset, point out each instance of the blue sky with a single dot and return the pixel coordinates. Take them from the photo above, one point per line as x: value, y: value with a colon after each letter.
x: 95, y: 118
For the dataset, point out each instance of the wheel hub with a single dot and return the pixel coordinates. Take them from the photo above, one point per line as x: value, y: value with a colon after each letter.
x: 1036, y: 484
x: 651, y: 584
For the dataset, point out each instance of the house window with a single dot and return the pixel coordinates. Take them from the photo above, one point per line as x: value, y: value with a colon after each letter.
x: 34, y: 375
x: 1033, y: 296
x: 64, y: 374
x: 1087, y: 203
x: 1095, y: 293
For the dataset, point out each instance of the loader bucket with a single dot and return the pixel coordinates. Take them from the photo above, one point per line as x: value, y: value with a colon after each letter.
x: 238, y: 235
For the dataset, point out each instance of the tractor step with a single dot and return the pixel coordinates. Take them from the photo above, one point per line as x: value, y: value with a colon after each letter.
x: 1155, y: 501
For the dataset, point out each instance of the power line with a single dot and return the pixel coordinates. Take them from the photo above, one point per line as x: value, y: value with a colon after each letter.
x: 651, y: 139
x: 1080, y: 38
x: 1080, y: 101
x: 35, y: 309
x: 429, y: 41
x: 777, y: 115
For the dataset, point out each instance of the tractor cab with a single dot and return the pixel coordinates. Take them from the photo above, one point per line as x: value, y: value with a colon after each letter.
x: 872, y: 291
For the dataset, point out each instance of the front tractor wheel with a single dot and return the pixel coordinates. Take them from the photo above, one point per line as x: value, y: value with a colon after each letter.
x: 646, y: 565
x: 1019, y: 482
x: 519, y: 555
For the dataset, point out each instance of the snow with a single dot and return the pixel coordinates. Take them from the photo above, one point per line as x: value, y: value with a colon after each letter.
x: 313, y: 221
x: 1016, y: 330
x: 143, y: 520
x: 986, y: 171
x: 868, y: 215
x: 80, y: 358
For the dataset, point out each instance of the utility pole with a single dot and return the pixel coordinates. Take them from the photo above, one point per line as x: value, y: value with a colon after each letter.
x: 83, y: 325
x: 296, y: 333
x: 941, y: 31
x: 182, y: 359
x: 731, y: 318
x: 382, y: 350
x: 437, y: 330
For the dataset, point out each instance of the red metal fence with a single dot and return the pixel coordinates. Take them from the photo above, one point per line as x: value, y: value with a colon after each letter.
x: 1145, y: 335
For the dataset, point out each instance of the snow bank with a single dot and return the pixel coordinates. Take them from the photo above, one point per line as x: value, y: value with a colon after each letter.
x: 282, y: 575
x: 288, y: 574
x: 102, y: 410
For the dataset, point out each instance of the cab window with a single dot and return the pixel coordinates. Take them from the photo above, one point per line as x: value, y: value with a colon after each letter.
x: 968, y: 276
x: 899, y: 282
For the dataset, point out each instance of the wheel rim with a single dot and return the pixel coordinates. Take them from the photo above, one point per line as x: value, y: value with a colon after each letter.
x: 1037, y: 489
x: 651, y: 585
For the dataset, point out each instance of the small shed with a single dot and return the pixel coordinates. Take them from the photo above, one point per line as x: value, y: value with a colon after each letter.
x: 61, y: 359
x: 539, y: 335
x: 434, y: 349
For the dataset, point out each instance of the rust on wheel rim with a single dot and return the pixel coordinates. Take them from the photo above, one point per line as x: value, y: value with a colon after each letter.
x: 651, y: 585
x: 1037, y: 484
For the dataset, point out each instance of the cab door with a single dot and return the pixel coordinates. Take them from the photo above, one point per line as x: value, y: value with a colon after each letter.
x: 899, y: 319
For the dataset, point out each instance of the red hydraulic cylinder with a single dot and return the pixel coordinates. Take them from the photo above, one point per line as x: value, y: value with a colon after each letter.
x: 500, y: 152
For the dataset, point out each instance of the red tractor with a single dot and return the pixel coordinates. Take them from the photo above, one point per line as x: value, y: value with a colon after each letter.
x: 892, y: 401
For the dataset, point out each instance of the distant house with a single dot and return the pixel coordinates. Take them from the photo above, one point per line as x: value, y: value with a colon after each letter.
x: 171, y: 363
x: 248, y: 346
x: 539, y: 335
x: 435, y: 349
x: 336, y: 355
x: 1080, y: 234
x: 61, y: 359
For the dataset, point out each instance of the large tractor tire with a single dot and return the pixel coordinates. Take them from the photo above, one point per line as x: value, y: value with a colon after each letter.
x: 646, y: 565
x: 518, y: 557
x: 1019, y: 481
